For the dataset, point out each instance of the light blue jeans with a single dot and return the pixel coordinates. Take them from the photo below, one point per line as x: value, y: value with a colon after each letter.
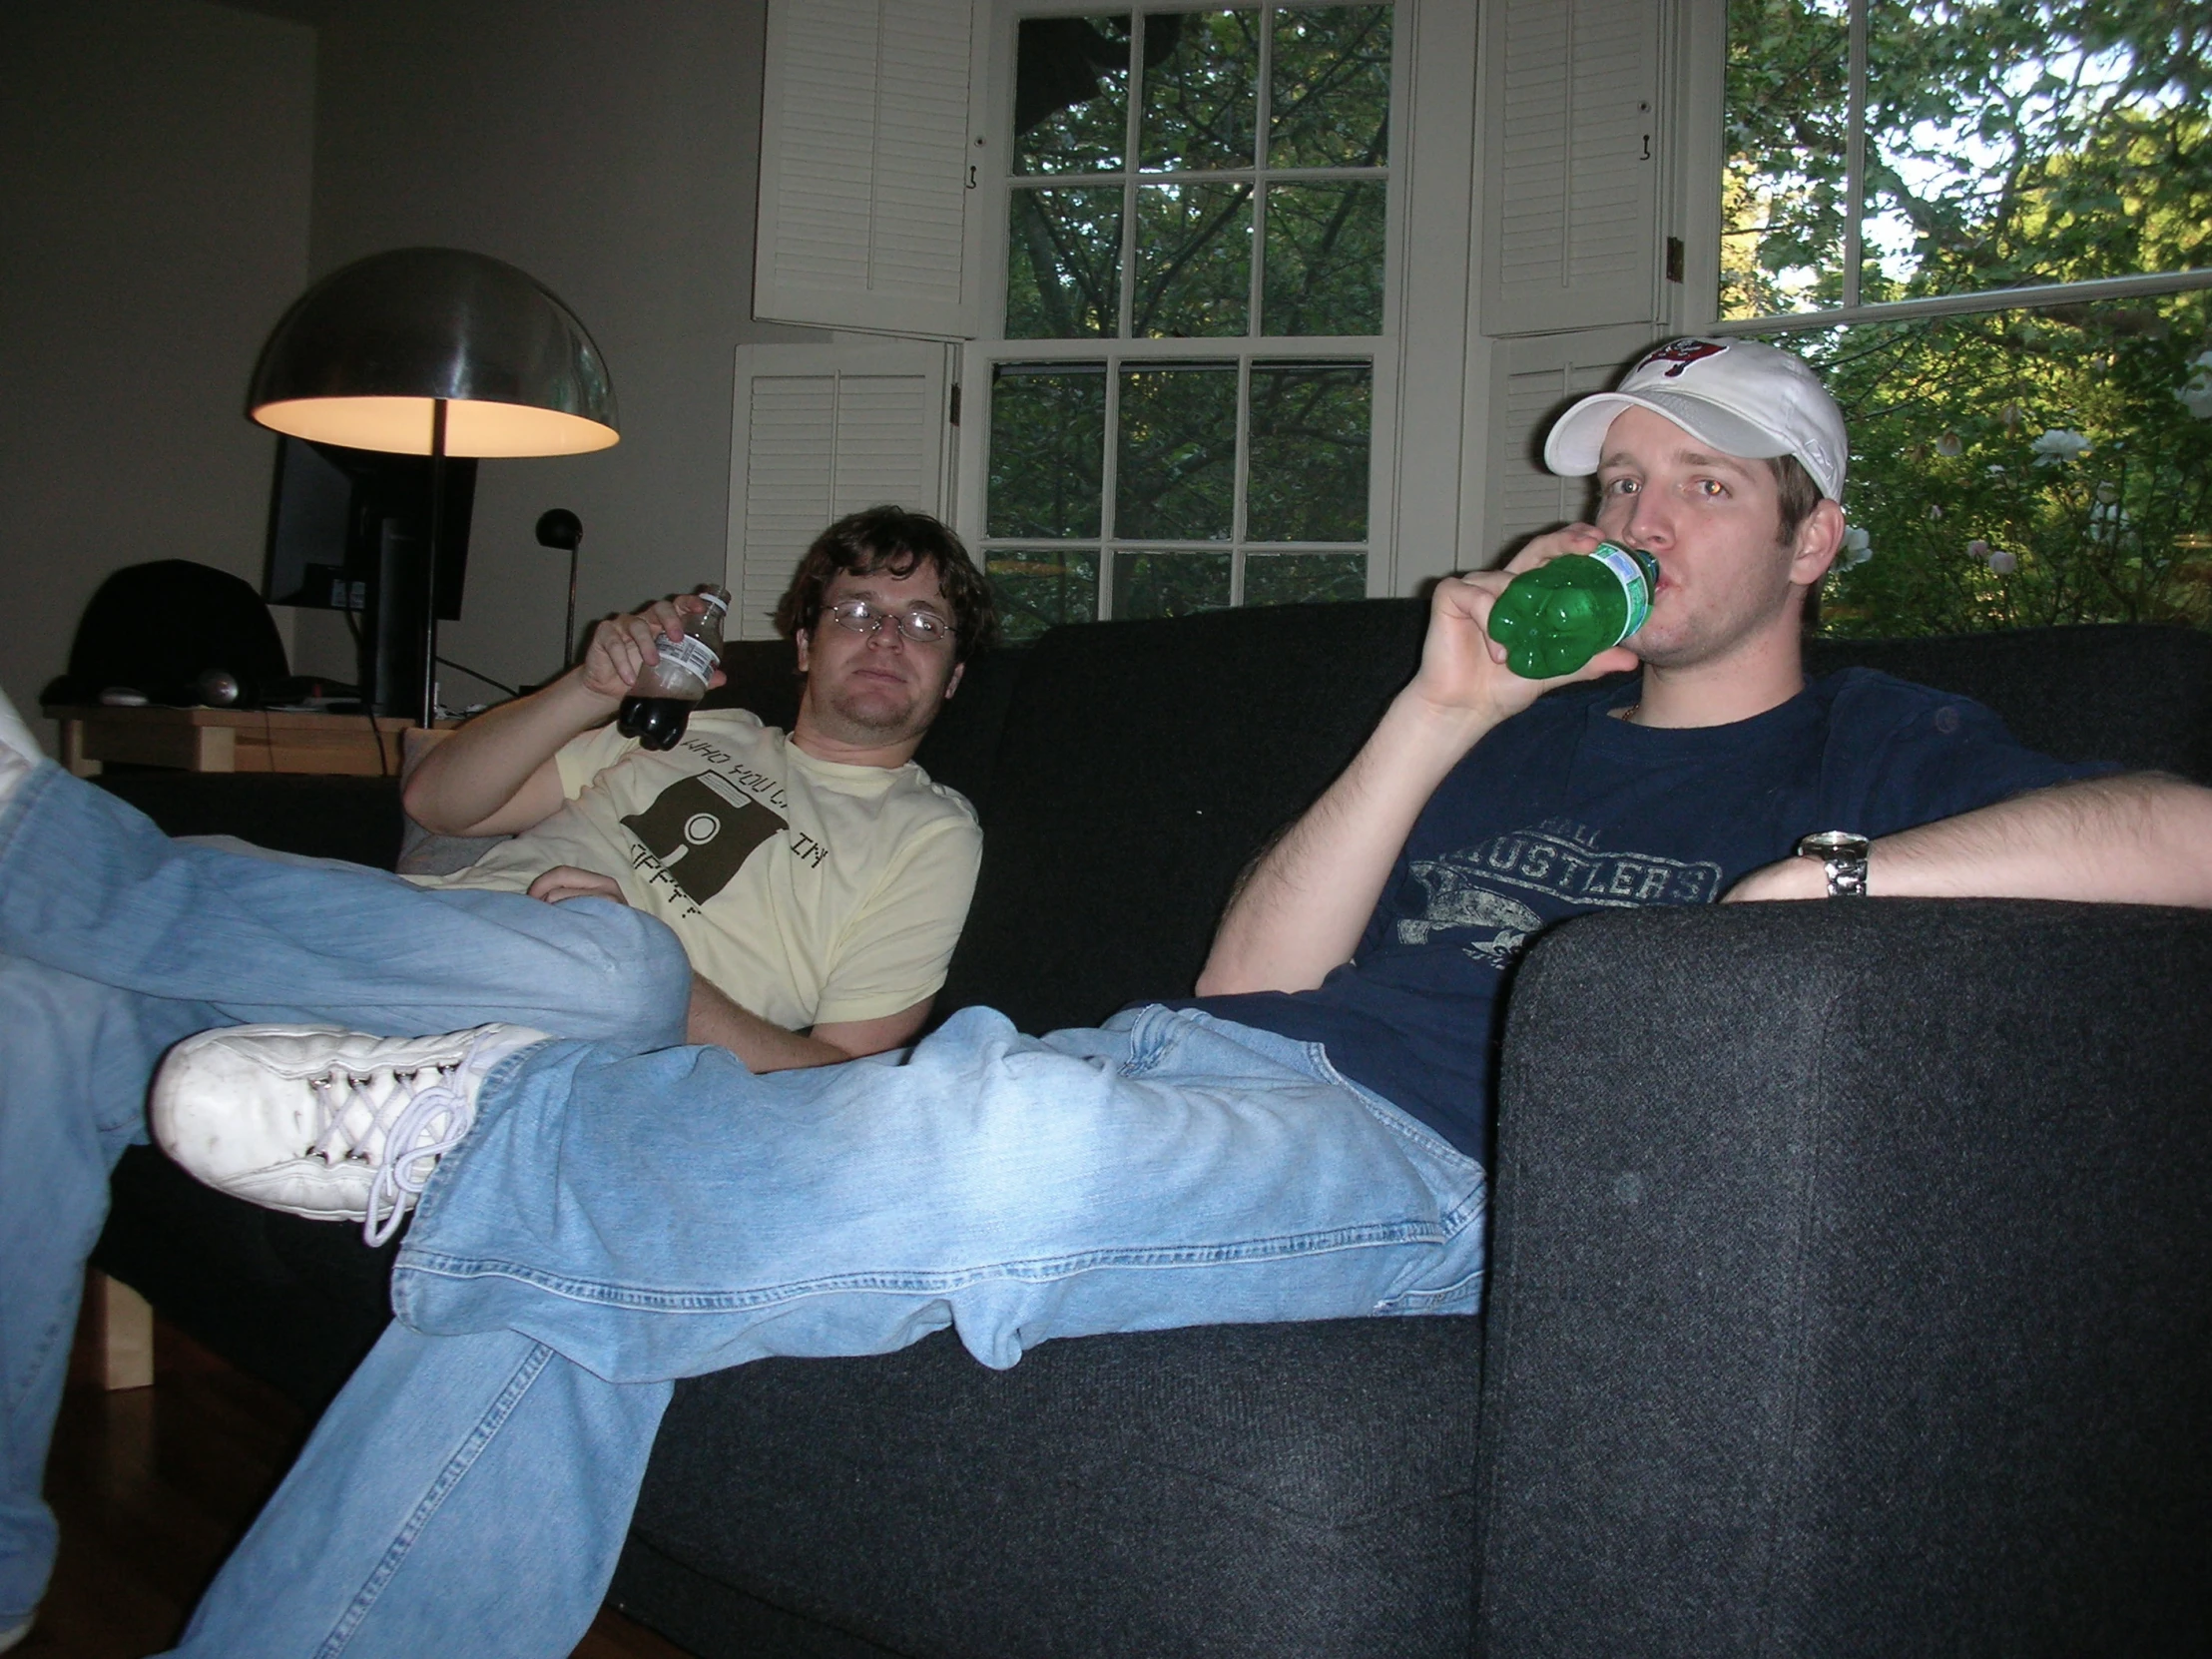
x: 617, y: 1221
x: 115, y: 941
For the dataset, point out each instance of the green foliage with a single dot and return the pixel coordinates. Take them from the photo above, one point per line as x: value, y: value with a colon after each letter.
x: 1969, y: 524
x: 1308, y: 471
x: 1040, y: 587
x: 2008, y: 468
x: 1170, y: 584
x: 1331, y: 93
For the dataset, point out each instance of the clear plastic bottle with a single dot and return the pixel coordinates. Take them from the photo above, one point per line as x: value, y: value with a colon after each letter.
x: 660, y: 702
x: 1555, y: 618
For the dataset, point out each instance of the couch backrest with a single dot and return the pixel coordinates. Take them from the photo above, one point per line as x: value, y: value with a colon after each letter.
x: 2135, y: 694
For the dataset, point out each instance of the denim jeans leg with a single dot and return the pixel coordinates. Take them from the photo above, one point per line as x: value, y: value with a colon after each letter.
x: 661, y: 1215
x: 461, y: 1496
x: 91, y: 886
x: 73, y: 1055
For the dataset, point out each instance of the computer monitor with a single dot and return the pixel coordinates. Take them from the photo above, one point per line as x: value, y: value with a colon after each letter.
x: 348, y: 531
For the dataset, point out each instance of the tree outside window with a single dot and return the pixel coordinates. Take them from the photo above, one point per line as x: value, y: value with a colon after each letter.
x: 1195, y: 273
x: 1898, y: 166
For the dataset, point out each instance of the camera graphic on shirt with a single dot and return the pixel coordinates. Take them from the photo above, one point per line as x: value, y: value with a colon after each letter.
x: 702, y: 831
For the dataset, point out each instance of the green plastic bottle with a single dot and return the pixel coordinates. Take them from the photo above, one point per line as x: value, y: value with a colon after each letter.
x: 1553, y: 619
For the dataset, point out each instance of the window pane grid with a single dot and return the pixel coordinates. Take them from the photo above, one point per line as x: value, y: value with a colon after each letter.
x: 1211, y: 450
x: 1193, y: 248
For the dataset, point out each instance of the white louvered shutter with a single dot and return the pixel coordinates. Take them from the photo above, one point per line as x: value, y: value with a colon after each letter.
x: 864, y: 158
x: 1573, y: 179
x: 818, y: 432
x: 1537, y: 378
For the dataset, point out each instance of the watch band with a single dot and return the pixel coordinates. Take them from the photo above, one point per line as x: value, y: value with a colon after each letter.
x: 1843, y: 855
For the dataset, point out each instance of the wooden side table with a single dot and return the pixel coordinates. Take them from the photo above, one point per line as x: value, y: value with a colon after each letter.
x: 230, y: 739
x: 116, y: 1323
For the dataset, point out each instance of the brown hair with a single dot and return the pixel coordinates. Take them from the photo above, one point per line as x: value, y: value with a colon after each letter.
x: 892, y: 540
x: 1796, y: 498
x: 1798, y: 492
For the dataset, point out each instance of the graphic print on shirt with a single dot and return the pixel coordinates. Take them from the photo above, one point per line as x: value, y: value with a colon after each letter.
x: 1468, y: 891
x: 701, y: 831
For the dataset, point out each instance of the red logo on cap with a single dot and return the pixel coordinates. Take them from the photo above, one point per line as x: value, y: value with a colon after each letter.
x: 1682, y: 354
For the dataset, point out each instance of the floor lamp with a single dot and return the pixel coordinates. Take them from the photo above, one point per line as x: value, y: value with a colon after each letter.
x: 434, y: 351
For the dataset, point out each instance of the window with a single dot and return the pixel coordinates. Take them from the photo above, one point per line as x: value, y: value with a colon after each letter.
x: 1990, y: 221
x: 1190, y: 393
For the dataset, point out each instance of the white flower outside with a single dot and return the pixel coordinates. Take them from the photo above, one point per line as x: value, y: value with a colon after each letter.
x: 2196, y: 391
x: 2058, y: 445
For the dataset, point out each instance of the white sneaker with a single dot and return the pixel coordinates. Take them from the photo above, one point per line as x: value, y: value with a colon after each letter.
x: 328, y: 1124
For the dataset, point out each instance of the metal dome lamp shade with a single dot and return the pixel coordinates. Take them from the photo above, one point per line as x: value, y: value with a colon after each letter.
x: 434, y: 351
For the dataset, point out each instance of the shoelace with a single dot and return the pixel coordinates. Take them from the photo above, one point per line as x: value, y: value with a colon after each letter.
x: 397, y: 1185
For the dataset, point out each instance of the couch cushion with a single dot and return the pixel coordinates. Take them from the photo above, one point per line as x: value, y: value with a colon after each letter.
x: 1244, y: 1489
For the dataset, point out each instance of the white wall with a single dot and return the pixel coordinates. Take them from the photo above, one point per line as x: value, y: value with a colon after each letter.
x: 153, y: 194
x: 610, y: 148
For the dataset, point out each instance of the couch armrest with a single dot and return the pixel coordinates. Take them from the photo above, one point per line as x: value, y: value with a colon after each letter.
x: 1853, y: 1285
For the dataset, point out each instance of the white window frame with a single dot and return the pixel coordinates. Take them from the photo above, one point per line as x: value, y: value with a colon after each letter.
x: 1384, y: 352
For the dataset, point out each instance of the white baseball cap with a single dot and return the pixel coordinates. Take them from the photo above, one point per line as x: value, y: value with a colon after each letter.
x: 1742, y: 397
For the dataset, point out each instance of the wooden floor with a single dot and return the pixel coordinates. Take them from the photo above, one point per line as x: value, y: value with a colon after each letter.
x: 154, y: 1486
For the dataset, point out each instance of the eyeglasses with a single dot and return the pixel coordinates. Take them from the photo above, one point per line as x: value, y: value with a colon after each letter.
x: 862, y: 617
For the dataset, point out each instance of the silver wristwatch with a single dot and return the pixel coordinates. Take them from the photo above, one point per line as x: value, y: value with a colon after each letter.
x: 1843, y: 853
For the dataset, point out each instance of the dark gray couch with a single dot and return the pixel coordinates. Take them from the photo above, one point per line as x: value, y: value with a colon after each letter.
x: 1852, y: 1269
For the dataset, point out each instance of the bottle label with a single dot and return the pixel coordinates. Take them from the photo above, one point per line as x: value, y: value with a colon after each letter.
x: 687, y: 653
x: 1634, y: 587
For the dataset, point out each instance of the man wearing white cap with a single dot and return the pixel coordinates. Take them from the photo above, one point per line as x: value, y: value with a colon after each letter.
x: 1298, y: 1141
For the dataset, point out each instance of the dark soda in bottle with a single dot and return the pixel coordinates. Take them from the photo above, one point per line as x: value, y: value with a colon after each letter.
x: 1555, y: 618
x: 661, y: 698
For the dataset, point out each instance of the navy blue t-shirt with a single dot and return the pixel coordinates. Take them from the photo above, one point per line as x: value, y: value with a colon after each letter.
x: 1565, y: 810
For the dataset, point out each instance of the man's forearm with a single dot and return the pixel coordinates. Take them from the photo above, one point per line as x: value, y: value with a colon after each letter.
x: 470, y: 779
x: 2136, y: 839
x: 1300, y: 909
x: 714, y: 1018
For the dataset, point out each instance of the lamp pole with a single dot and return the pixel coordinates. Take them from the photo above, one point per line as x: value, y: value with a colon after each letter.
x: 430, y: 567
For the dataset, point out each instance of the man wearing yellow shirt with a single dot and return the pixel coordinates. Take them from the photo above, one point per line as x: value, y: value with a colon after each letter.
x: 816, y: 879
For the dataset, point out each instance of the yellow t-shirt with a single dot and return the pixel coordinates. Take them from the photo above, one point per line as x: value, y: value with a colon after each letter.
x: 808, y: 892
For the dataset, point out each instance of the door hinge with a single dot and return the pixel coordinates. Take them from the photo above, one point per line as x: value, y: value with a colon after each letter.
x: 955, y: 417
x: 1674, y: 259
